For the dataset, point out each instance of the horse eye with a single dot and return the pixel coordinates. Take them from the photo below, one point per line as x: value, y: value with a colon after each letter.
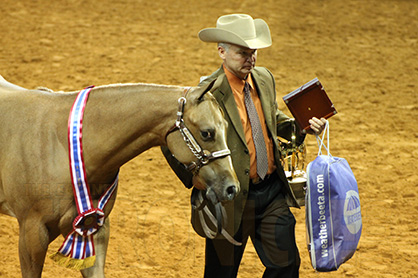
x: 207, y: 134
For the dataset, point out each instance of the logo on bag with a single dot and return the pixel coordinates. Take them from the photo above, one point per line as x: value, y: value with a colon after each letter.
x: 352, y: 214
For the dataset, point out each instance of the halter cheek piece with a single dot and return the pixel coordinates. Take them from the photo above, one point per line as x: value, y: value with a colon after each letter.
x: 199, y: 201
x: 203, y: 156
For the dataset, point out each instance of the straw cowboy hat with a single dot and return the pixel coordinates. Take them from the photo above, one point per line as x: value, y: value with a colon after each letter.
x: 239, y: 29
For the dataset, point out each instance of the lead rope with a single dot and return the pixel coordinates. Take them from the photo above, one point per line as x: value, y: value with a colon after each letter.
x: 201, y: 207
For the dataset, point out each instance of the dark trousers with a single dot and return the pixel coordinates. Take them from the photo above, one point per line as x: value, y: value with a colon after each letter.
x: 270, y: 224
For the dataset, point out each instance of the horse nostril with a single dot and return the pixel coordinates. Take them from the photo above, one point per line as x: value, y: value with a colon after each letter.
x: 230, y: 192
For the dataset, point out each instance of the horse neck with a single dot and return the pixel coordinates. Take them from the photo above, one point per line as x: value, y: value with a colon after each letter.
x: 120, y: 122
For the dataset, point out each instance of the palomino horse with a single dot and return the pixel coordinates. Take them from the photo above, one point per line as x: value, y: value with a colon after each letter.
x: 120, y: 122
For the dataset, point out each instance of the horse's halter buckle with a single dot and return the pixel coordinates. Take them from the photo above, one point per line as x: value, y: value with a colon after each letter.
x: 203, y: 157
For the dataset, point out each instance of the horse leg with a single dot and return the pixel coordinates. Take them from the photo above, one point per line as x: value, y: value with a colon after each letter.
x: 101, y: 240
x: 33, y: 244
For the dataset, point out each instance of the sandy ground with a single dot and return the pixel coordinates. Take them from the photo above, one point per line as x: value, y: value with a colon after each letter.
x: 364, y: 53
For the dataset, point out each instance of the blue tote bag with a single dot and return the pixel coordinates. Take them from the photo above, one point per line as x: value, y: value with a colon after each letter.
x: 333, y: 216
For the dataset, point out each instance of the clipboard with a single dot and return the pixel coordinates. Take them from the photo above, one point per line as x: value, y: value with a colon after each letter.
x: 307, y: 101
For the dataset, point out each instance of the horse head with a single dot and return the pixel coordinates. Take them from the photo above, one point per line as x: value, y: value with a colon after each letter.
x: 201, y: 143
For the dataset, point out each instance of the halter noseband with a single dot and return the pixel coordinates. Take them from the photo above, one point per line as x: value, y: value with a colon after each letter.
x: 203, y: 157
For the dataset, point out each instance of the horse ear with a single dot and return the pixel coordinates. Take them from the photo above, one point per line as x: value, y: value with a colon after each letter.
x: 211, y: 86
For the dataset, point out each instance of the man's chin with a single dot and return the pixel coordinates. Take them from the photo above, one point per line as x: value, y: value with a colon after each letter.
x: 246, y: 70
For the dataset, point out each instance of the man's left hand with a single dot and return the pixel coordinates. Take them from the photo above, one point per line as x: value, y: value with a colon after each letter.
x: 317, y: 125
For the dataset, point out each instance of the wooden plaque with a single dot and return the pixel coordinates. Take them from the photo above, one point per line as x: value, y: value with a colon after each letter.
x: 307, y: 101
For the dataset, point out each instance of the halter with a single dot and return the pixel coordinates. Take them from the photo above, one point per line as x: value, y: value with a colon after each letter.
x: 199, y: 201
x: 203, y: 156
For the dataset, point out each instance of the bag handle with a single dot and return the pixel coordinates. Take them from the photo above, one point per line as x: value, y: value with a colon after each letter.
x: 320, y: 141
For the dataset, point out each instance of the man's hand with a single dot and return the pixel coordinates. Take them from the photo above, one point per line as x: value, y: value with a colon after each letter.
x: 317, y: 125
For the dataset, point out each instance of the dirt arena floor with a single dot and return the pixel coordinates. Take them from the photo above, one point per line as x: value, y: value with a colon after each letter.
x: 364, y: 53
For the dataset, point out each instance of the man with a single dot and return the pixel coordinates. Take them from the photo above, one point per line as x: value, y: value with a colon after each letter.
x: 261, y: 209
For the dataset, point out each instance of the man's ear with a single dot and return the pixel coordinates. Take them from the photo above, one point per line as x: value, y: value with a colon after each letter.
x: 221, y: 52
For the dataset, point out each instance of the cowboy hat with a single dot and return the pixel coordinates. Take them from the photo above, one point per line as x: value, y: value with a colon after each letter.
x: 239, y: 29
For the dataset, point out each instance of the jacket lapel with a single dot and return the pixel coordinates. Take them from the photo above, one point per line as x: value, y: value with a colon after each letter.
x: 230, y: 108
x: 264, y: 98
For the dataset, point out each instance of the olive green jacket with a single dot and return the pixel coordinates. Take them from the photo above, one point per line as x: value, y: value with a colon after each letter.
x: 277, y: 125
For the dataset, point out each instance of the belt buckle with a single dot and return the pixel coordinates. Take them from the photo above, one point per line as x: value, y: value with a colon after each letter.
x: 258, y: 180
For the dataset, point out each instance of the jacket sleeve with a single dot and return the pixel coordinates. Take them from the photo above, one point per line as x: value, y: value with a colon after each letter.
x: 179, y: 169
x: 285, y: 128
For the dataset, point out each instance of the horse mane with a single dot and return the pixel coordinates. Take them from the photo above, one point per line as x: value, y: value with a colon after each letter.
x: 136, y: 84
x: 45, y: 89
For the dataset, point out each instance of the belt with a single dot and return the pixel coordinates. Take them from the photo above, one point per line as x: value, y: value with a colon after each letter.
x: 258, y: 180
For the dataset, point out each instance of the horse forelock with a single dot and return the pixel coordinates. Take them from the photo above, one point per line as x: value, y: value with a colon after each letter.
x: 209, y: 99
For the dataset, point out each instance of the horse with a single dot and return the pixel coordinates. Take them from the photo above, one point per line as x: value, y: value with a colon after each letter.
x: 120, y: 122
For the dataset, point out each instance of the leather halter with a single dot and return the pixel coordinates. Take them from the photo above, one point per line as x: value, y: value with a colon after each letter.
x: 199, y: 202
x: 203, y: 156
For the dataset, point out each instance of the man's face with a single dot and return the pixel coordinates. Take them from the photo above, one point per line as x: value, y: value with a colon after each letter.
x: 238, y: 59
